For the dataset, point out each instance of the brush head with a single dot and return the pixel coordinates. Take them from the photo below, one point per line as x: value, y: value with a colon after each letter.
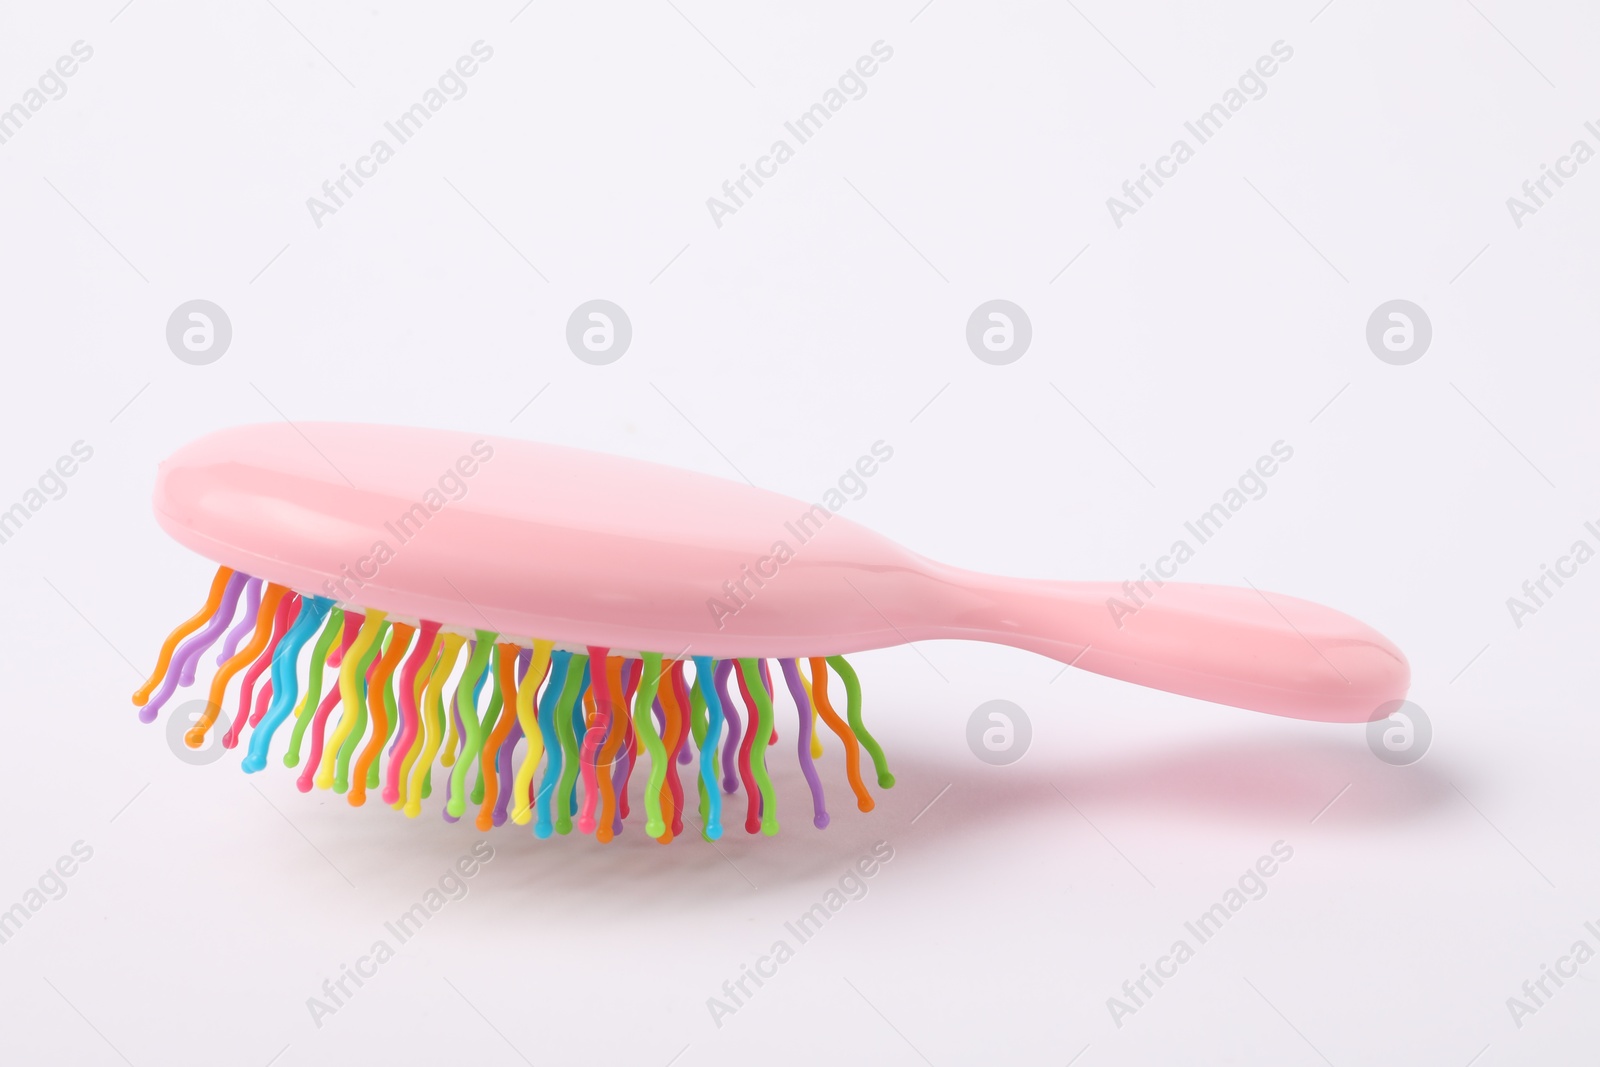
x: 577, y: 589
x: 528, y: 540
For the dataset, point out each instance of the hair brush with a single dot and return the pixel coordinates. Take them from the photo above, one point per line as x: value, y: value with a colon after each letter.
x: 606, y: 604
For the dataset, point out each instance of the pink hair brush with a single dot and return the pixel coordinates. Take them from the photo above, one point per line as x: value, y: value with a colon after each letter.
x: 575, y: 586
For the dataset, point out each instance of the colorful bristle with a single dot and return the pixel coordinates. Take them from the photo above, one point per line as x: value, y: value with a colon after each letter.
x: 493, y: 768
x: 252, y: 600
x: 173, y: 669
x: 523, y: 731
x: 288, y: 607
x: 808, y: 767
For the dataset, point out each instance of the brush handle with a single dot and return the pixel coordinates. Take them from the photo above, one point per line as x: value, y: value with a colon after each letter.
x: 1238, y: 646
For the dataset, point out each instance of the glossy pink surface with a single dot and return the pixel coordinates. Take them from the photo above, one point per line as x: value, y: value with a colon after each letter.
x: 539, y: 541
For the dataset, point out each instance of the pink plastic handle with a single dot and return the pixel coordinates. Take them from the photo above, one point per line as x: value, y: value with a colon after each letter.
x: 1238, y: 646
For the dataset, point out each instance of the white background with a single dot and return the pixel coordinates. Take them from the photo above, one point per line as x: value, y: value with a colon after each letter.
x: 828, y: 313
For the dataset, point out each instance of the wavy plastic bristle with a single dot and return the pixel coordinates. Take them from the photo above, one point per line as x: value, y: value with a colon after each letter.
x: 527, y: 732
